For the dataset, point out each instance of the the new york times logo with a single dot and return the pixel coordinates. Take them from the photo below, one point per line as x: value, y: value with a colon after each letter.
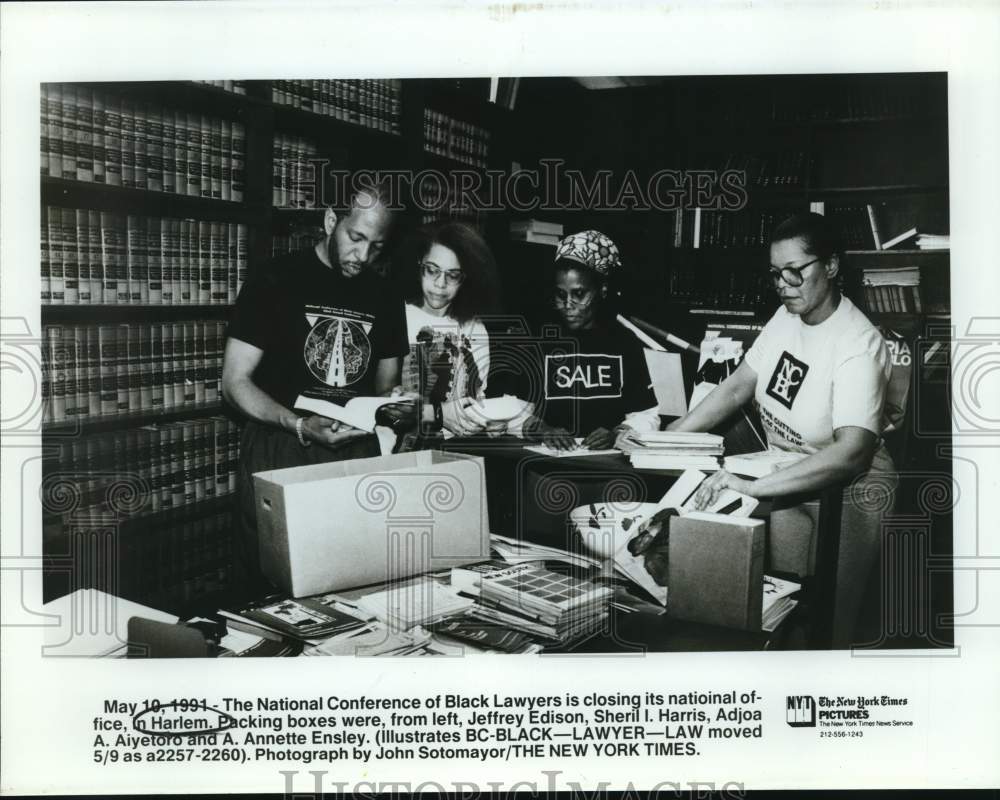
x: 800, y: 711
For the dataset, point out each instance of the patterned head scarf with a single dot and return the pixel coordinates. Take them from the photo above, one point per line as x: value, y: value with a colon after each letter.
x: 592, y: 249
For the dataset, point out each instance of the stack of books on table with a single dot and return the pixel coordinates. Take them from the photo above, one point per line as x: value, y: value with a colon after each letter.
x: 533, y: 230
x: 309, y: 620
x: 534, y: 600
x: 673, y: 450
x: 421, y: 602
x: 893, y: 290
x: 933, y: 241
x: 777, y: 601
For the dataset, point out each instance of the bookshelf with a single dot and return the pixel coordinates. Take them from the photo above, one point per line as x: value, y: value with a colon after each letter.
x: 158, y: 200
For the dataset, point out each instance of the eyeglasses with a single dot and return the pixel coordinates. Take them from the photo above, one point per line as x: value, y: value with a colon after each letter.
x: 792, y: 276
x: 452, y: 277
x: 576, y: 302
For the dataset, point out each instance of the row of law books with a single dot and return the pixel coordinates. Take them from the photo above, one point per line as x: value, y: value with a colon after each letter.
x: 439, y: 206
x: 787, y: 169
x: 102, y: 258
x: 893, y: 290
x: 293, y: 172
x: 95, y: 371
x: 141, y: 470
x: 454, y: 139
x: 96, y: 136
x: 294, y: 241
x: 730, y: 290
x: 371, y: 103
x: 847, y: 100
x: 702, y: 227
x: 236, y: 87
x: 175, y: 563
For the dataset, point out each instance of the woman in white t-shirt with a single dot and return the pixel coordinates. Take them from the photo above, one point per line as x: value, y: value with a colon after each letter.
x: 449, y: 284
x: 818, y: 373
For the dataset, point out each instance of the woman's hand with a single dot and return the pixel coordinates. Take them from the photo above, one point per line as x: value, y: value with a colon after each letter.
x: 599, y: 439
x: 328, y: 432
x: 457, y: 420
x: 556, y: 438
x: 715, y: 484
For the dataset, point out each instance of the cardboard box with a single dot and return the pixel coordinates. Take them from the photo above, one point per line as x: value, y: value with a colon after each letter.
x: 349, y: 523
x: 715, y: 570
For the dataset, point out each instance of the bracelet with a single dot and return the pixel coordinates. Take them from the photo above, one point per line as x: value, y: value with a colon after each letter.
x: 298, y: 432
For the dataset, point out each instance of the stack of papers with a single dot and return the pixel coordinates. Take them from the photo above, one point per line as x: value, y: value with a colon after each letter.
x: 574, y: 452
x: 374, y: 640
x: 305, y: 620
x: 414, y: 603
x: 777, y: 603
x: 757, y: 465
x: 673, y: 450
x: 933, y: 241
x: 515, y: 551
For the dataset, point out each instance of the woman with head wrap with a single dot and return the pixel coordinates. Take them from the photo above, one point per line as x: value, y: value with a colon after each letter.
x: 589, y: 381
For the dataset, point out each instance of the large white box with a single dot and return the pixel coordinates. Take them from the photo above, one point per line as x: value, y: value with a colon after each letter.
x: 335, y: 526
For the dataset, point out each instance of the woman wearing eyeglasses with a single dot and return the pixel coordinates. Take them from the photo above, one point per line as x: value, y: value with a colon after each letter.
x: 593, y: 382
x: 818, y: 373
x: 451, y: 284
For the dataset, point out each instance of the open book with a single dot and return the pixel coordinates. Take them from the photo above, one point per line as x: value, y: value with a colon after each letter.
x: 358, y: 412
x: 680, y: 500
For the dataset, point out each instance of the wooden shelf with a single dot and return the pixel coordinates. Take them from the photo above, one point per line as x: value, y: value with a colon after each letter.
x: 288, y: 119
x: 81, y: 194
x: 129, y: 313
x: 150, y: 521
x: 128, y: 420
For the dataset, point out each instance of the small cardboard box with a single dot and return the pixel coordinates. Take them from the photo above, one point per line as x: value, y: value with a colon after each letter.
x: 715, y: 570
x: 335, y: 526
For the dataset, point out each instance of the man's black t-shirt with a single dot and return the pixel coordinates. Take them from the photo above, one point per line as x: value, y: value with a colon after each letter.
x: 320, y: 332
x: 578, y: 380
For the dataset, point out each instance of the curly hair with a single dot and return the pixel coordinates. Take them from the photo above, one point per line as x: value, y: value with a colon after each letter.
x: 477, y: 296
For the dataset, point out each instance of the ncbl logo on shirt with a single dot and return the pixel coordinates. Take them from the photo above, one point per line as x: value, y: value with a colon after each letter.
x: 584, y: 376
x: 787, y: 378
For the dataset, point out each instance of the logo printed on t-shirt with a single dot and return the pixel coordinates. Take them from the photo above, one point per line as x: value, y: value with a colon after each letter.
x: 584, y: 376
x: 786, y: 380
x: 337, y: 350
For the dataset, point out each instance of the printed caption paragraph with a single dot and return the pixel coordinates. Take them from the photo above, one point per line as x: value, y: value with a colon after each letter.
x: 481, y: 727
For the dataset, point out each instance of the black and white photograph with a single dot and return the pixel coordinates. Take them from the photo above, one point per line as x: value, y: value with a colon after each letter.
x: 525, y: 371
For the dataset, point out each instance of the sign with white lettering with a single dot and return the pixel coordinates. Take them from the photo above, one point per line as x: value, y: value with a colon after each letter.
x: 583, y: 376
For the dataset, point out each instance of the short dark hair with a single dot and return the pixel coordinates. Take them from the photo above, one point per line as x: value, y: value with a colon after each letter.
x: 477, y: 296
x: 819, y: 235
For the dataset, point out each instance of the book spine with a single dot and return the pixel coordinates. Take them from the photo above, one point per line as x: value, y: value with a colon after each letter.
x: 168, y: 145
x: 72, y: 371
x: 134, y: 268
x: 128, y: 143
x: 57, y: 370
x: 242, y: 252
x: 43, y: 140
x: 141, y: 150
x: 215, y: 152
x: 112, y: 141
x: 92, y: 344
x: 195, y: 356
x: 145, y: 367
x: 84, y: 135
x: 174, y: 261
x: 204, y: 262
x: 69, y: 132
x: 154, y: 149
x: 176, y: 466
x: 184, y: 260
x: 193, y: 161
x: 225, y: 159
x: 121, y: 369
x: 180, y: 152
x: 134, y: 369
x: 218, y: 263
x: 188, y: 463
x: 108, y: 346
x: 211, y: 345
x: 205, y: 159
x: 95, y: 251
x: 220, y: 432
x: 156, y: 367
x: 84, y: 283
x: 167, y: 348
x: 873, y: 223
x: 71, y: 269
x: 238, y: 162
x: 154, y: 262
x: 46, y: 284
x: 179, y: 365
